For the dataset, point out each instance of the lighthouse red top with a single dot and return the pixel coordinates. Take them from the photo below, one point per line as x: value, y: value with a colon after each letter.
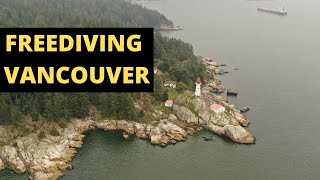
x: 198, y: 81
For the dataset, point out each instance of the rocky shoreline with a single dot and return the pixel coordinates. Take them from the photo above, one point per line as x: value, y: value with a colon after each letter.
x: 48, y: 157
x: 166, y: 27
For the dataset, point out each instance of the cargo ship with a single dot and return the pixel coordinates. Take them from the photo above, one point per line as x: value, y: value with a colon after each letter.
x: 281, y: 12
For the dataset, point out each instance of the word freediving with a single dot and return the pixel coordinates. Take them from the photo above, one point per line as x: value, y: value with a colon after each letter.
x: 66, y: 43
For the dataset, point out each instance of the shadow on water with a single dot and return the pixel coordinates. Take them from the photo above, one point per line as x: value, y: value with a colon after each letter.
x: 11, y: 175
x: 215, y: 138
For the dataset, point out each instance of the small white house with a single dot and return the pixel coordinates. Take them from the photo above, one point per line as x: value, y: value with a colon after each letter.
x: 168, y: 103
x: 171, y: 84
x: 217, y: 108
x: 155, y: 70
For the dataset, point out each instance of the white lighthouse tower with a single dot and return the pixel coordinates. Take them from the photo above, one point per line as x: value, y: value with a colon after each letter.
x: 198, y: 87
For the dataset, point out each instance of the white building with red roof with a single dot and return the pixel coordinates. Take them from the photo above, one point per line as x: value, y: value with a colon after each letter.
x: 197, y: 92
x: 171, y: 84
x: 168, y: 103
x: 155, y: 69
x: 217, y: 108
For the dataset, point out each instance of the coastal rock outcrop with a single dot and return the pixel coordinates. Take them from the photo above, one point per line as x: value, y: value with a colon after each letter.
x: 208, y: 116
x: 47, y: 158
x: 44, y: 158
x: 2, y: 165
x: 110, y: 125
x: 167, y: 132
x: 238, y: 134
x: 163, y: 133
x: 11, y: 158
x: 241, y: 119
x: 185, y: 114
x: 228, y: 124
x: 140, y: 130
x: 216, y: 129
x: 212, y: 66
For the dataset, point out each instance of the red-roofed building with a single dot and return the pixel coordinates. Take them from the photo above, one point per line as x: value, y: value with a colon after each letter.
x: 155, y: 69
x: 217, y: 108
x: 168, y: 103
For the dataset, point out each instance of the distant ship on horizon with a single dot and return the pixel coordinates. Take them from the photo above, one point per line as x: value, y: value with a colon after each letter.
x: 281, y: 12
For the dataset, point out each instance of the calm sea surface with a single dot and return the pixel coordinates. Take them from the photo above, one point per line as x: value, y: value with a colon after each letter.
x: 278, y: 77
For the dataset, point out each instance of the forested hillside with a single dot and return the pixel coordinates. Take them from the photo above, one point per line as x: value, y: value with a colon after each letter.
x: 77, y: 13
x: 174, y: 58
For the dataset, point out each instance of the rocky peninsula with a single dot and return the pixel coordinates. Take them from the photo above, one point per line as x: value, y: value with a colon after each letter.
x: 168, y: 27
x: 47, y: 158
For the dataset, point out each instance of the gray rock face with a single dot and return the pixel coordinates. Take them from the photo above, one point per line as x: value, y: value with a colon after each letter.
x: 140, y: 130
x: 241, y: 119
x: 10, y: 154
x: 238, y: 134
x: 163, y: 133
x: 184, y: 114
x: 216, y: 129
x: 107, y: 125
x: 130, y: 127
x: 126, y: 126
x: 208, y: 116
x: 228, y: 123
x: 214, y: 86
x: 167, y: 132
x: 156, y: 136
x: 45, y: 158
x: 172, y: 117
x: 2, y: 166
